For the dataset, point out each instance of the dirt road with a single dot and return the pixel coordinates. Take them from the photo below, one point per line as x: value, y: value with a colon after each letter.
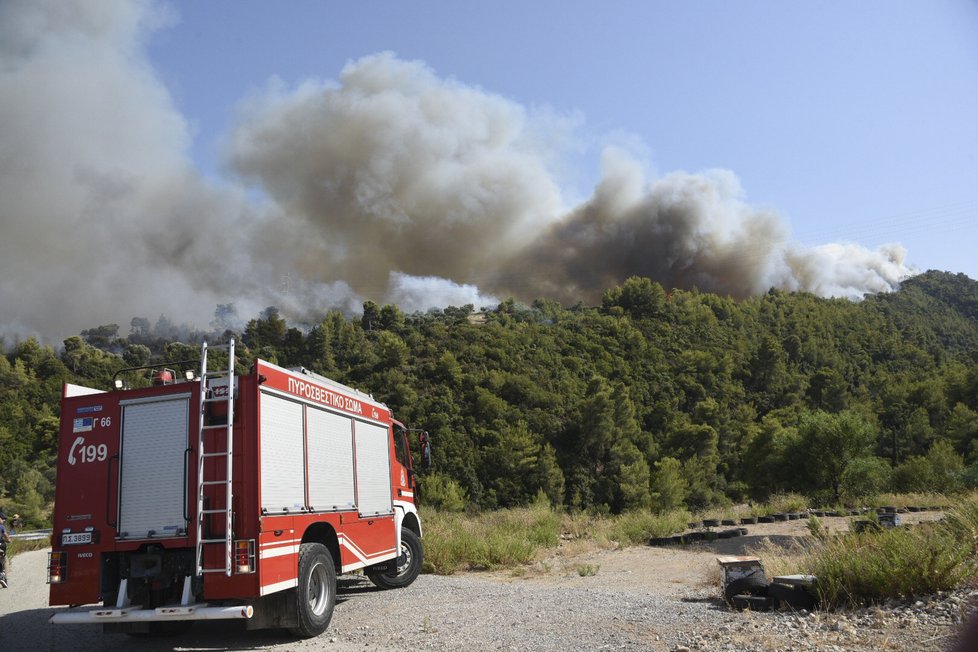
x: 642, y: 598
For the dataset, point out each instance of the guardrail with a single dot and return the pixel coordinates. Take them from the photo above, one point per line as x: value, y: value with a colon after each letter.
x: 32, y: 535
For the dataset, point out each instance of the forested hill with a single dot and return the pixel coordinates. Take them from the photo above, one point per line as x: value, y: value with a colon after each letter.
x: 652, y: 399
x: 950, y: 303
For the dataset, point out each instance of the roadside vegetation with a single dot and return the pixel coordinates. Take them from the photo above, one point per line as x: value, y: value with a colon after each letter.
x: 17, y: 546
x: 852, y: 568
x: 870, y: 567
x: 513, y: 537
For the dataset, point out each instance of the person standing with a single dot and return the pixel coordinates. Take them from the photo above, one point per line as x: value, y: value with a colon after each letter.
x: 4, y: 540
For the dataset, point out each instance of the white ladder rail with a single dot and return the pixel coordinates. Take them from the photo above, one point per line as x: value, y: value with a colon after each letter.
x: 204, y: 454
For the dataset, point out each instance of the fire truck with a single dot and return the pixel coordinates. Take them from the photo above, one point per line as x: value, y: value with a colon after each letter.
x: 210, y: 495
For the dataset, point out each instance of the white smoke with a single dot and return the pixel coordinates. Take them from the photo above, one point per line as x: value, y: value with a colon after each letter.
x: 420, y: 293
x: 93, y: 164
x: 103, y: 216
x: 391, y: 184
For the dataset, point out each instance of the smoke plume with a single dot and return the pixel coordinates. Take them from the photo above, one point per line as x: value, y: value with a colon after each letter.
x: 390, y: 183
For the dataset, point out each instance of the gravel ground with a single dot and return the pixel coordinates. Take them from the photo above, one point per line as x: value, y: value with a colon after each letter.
x: 643, y: 598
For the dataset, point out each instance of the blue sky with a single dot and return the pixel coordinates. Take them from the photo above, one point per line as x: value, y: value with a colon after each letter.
x: 855, y: 121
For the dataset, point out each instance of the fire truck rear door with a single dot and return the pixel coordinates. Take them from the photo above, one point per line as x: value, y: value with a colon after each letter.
x: 152, y: 481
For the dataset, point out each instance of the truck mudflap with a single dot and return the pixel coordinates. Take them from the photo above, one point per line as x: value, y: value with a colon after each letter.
x: 160, y: 614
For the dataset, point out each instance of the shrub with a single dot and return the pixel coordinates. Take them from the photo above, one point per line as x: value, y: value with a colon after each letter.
x: 786, y: 503
x: 864, y: 478
x: 442, y: 492
x: 941, y: 470
x: 489, y: 540
x: 913, y: 475
x: 632, y: 528
x: 870, y: 567
x: 588, y: 570
x: 507, y: 538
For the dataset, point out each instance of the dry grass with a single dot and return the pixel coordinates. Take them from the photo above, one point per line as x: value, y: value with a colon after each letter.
x: 510, y: 538
x: 783, y: 559
x: 870, y: 567
x: 910, y: 499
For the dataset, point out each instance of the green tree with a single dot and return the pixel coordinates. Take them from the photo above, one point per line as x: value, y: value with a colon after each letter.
x: 510, y: 466
x: 629, y: 473
x: 939, y: 470
x: 442, y: 492
x: 946, y: 464
x: 829, y: 443
x: 549, y: 476
x: 137, y: 355
x: 864, y: 478
x: 962, y: 428
x: 669, y: 487
x: 641, y: 298
x: 827, y: 390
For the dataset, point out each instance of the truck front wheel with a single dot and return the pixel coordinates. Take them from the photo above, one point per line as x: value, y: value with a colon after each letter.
x: 405, y: 569
x: 316, y: 593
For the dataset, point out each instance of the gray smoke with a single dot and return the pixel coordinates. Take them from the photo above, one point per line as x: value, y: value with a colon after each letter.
x: 391, y: 184
x: 103, y: 215
x: 690, y: 230
x: 394, y: 168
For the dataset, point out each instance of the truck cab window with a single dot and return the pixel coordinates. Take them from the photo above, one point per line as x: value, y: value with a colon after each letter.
x: 401, y: 447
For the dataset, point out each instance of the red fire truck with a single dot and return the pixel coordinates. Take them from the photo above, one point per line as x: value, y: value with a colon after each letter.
x: 210, y: 495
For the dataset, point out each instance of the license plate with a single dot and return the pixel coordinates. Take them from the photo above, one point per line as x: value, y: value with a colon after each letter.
x: 76, y: 538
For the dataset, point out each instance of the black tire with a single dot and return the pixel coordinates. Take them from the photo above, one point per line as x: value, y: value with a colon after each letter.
x: 765, y: 519
x: 755, y: 584
x: 711, y: 522
x: 400, y: 572
x: 316, y: 593
x: 752, y: 602
x: 796, y: 597
x: 748, y: 520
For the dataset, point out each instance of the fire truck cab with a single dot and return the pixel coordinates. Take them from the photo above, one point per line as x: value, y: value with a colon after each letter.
x: 221, y: 496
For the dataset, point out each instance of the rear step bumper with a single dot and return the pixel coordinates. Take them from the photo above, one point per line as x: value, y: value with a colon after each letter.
x: 160, y: 614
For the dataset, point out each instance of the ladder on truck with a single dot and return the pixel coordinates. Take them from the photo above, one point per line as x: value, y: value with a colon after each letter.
x: 209, y: 480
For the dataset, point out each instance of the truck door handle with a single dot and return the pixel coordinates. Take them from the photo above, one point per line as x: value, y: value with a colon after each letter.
x: 186, y: 466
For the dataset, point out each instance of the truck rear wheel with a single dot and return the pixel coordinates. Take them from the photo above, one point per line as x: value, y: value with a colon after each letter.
x: 400, y: 572
x: 316, y: 593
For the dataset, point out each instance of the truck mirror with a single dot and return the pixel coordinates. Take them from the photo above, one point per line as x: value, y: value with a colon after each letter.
x: 425, y: 449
